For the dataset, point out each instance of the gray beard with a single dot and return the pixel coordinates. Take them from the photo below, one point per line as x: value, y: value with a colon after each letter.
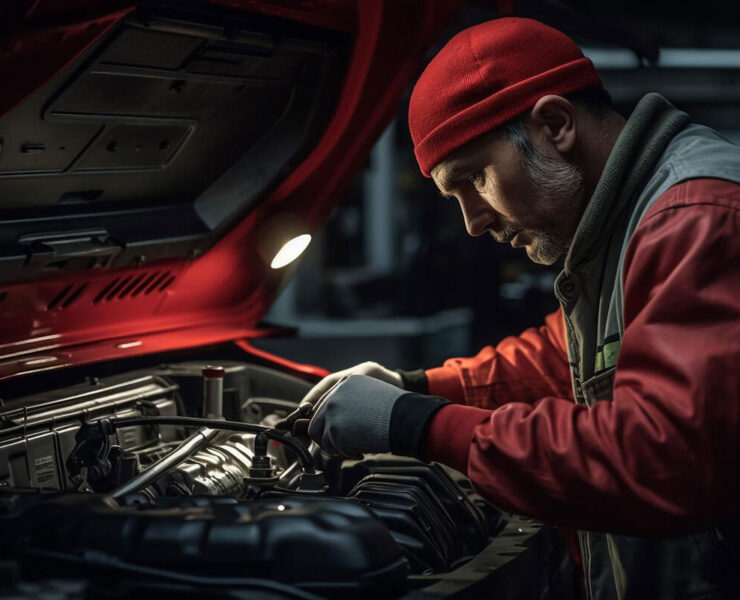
x: 505, y: 235
x: 560, y: 185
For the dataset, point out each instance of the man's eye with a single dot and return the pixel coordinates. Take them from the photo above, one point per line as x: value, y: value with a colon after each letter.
x: 477, y: 178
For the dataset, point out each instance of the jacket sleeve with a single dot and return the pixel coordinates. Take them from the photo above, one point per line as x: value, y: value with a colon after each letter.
x: 661, y: 457
x: 525, y: 368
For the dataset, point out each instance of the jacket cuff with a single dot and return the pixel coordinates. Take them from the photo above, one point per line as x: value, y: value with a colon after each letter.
x: 409, y: 418
x: 445, y: 382
x: 414, y: 381
x: 449, y: 435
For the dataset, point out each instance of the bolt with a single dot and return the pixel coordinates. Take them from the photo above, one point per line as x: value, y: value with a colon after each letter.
x: 113, y: 146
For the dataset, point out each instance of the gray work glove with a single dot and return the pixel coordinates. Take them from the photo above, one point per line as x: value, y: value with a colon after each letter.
x: 371, y: 369
x: 354, y: 417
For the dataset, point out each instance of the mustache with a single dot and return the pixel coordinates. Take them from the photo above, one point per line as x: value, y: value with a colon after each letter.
x: 505, y: 235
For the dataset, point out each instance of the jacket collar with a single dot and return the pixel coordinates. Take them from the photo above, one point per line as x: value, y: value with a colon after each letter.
x: 647, y: 132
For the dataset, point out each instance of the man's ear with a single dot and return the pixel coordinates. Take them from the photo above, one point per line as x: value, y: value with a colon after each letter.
x: 555, y: 116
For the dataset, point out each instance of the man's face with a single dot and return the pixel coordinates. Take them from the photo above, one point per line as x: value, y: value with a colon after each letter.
x: 533, y: 200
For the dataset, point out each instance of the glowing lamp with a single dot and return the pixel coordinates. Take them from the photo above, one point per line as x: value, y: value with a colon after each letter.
x: 282, y: 238
x: 291, y: 250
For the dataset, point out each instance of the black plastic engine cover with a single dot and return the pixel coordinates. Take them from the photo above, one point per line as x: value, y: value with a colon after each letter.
x: 416, y: 518
x: 331, y: 546
x: 474, y: 520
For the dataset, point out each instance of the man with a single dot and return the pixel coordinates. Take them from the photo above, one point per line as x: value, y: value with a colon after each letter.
x: 619, y: 416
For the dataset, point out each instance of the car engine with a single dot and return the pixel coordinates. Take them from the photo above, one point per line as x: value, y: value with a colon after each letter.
x: 174, y: 478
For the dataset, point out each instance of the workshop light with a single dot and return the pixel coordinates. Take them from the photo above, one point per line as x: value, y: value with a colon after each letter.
x: 291, y: 250
x: 282, y: 238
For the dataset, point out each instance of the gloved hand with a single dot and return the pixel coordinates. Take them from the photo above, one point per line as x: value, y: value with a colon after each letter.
x: 371, y: 369
x: 362, y: 414
x: 354, y: 416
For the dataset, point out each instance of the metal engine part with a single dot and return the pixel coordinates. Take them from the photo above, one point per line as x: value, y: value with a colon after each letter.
x: 38, y: 433
x: 220, y: 469
x: 170, y: 512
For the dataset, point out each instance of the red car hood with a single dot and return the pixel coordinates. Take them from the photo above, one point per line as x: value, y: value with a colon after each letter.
x: 56, y: 321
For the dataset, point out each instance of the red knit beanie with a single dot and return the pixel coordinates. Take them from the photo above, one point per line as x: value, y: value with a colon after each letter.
x: 487, y: 75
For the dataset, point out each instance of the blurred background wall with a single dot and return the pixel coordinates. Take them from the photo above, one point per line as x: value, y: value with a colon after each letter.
x: 393, y: 277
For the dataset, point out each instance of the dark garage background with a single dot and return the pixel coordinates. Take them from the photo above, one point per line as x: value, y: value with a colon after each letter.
x: 393, y: 276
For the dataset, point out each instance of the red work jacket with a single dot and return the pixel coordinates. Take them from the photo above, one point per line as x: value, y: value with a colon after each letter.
x: 663, y: 455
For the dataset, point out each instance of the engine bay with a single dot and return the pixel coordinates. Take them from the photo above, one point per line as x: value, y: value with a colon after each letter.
x: 120, y: 481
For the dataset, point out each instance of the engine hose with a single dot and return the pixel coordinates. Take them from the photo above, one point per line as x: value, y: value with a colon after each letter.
x: 301, y: 452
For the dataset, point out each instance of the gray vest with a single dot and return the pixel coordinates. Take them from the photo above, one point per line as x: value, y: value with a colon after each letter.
x: 656, y: 150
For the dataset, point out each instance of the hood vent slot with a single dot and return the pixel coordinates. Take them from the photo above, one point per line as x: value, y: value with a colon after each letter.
x: 144, y: 284
x: 158, y: 281
x: 118, y: 288
x: 58, y: 298
x: 132, y: 286
x: 105, y: 290
x: 72, y: 297
x: 67, y: 297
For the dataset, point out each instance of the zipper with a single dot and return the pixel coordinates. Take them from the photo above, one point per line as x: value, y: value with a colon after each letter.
x: 583, y: 539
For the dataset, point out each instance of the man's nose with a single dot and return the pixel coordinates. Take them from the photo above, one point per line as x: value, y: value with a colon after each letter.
x: 477, y: 214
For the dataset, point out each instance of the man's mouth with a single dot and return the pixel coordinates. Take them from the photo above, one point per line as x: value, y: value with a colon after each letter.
x: 506, y: 236
x: 517, y: 241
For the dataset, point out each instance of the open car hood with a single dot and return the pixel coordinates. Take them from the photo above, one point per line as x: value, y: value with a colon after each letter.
x: 153, y: 153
